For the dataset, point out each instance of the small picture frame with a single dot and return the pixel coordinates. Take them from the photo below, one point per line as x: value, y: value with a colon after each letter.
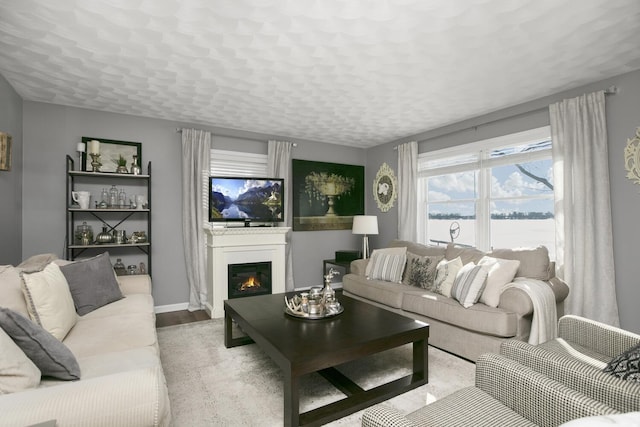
x: 110, y: 151
x: 5, y: 151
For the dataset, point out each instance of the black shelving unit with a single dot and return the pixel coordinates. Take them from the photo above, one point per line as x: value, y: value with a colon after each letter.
x: 110, y: 218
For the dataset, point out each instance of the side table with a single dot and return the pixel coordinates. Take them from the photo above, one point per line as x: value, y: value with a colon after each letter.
x: 343, y: 267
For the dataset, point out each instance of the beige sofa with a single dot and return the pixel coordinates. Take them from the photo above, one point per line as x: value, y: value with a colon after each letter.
x: 116, y: 348
x: 467, y: 332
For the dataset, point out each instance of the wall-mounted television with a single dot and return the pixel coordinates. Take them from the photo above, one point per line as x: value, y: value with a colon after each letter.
x: 246, y: 199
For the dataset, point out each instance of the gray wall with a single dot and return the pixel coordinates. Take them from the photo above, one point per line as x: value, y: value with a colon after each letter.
x: 622, y: 120
x: 11, y: 181
x: 52, y: 131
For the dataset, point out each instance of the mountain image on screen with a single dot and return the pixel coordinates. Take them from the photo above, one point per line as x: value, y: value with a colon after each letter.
x: 245, y: 200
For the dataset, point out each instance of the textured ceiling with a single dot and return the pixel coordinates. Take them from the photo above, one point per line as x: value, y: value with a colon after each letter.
x: 353, y: 72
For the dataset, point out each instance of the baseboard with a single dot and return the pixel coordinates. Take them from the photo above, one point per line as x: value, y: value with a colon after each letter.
x: 171, y: 307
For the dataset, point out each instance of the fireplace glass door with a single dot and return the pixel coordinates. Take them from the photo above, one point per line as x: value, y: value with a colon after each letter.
x: 249, y: 279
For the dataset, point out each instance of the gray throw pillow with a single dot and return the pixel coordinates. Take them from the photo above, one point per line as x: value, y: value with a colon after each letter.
x: 92, y: 283
x: 51, y: 356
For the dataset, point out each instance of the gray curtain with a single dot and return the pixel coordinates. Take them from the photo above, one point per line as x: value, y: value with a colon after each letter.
x: 196, y: 146
x: 584, y: 239
x: 407, y: 190
x: 279, y: 166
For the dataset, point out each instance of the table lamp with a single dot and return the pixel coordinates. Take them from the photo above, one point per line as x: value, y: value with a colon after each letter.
x: 365, y: 225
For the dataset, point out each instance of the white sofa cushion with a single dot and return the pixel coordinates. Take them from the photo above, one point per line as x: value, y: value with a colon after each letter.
x: 49, y: 300
x: 17, y: 371
x: 11, y: 290
x: 500, y: 272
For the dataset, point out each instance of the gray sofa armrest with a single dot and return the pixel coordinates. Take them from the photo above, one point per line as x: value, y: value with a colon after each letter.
x: 602, y: 338
x: 621, y: 395
x: 533, y: 395
x: 358, y: 266
x: 384, y: 416
x: 516, y: 300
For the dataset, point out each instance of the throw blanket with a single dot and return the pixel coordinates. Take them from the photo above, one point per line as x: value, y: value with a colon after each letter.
x: 544, y: 322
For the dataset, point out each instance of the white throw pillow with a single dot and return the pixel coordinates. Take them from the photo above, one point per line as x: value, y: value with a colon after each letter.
x: 387, y: 264
x: 500, y: 272
x: 469, y: 284
x: 446, y: 272
x: 49, y: 300
x: 17, y: 371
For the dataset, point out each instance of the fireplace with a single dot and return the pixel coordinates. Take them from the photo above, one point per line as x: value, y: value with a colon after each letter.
x: 249, y: 279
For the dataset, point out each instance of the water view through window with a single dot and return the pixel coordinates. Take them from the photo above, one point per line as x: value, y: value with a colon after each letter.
x: 496, y: 198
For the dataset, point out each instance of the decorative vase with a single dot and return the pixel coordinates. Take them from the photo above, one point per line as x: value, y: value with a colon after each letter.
x: 105, y: 236
x: 135, y: 169
x: 122, y: 169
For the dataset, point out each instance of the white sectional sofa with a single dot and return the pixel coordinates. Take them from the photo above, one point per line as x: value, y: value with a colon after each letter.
x: 121, y: 382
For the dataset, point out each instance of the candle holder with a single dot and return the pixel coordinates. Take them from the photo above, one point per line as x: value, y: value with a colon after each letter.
x: 95, y: 162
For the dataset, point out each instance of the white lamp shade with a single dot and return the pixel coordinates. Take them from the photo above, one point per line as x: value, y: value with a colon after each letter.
x: 365, y: 224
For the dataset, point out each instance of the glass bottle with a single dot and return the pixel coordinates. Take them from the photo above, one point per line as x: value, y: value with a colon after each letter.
x: 122, y: 199
x: 105, y: 196
x: 119, y: 267
x: 135, y: 169
x: 113, y: 197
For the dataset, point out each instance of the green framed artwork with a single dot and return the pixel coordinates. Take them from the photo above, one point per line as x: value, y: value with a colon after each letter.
x: 326, y: 196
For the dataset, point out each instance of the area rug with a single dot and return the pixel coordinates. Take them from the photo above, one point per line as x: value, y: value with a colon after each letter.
x: 210, y: 385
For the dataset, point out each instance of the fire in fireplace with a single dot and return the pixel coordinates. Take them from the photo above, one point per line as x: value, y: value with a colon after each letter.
x: 249, y: 279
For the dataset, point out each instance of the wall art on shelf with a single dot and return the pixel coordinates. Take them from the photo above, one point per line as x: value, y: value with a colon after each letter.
x: 632, y: 158
x: 5, y: 151
x: 326, y: 196
x: 385, y: 188
x: 110, y: 151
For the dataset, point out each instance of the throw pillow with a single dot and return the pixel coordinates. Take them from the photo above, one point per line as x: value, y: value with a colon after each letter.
x: 17, y: 371
x: 11, y: 295
x: 500, y: 272
x: 421, y: 271
x: 445, y: 276
x: 534, y: 262
x: 387, y: 264
x: 51, y: 356
x: 49, y: 301
x: 626, y: 365
x: 469, y: 284
x: 92, y: 283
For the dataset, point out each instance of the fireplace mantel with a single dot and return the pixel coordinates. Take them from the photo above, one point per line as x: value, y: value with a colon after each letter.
x: 238, y: 245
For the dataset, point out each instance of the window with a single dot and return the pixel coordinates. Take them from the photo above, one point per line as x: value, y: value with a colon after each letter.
x: 236, y: 163
x: 492, y: 193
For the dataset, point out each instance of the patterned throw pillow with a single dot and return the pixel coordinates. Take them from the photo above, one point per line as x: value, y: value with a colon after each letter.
x: 421, y: 271
x: 446, y: 272
x: 469, y: 284
x: 626, y: 365
x: 387, y: 264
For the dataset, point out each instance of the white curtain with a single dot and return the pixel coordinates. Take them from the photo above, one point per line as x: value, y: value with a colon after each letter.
x: 584, y: 242
x: 196, y: 145
x: 407, y: 190
x: 279, y: 166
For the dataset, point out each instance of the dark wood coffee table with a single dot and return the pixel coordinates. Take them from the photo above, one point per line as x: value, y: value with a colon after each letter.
x: 301, y: 347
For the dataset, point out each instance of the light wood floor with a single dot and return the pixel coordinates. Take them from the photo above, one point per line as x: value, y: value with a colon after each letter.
x: 180, y: 317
